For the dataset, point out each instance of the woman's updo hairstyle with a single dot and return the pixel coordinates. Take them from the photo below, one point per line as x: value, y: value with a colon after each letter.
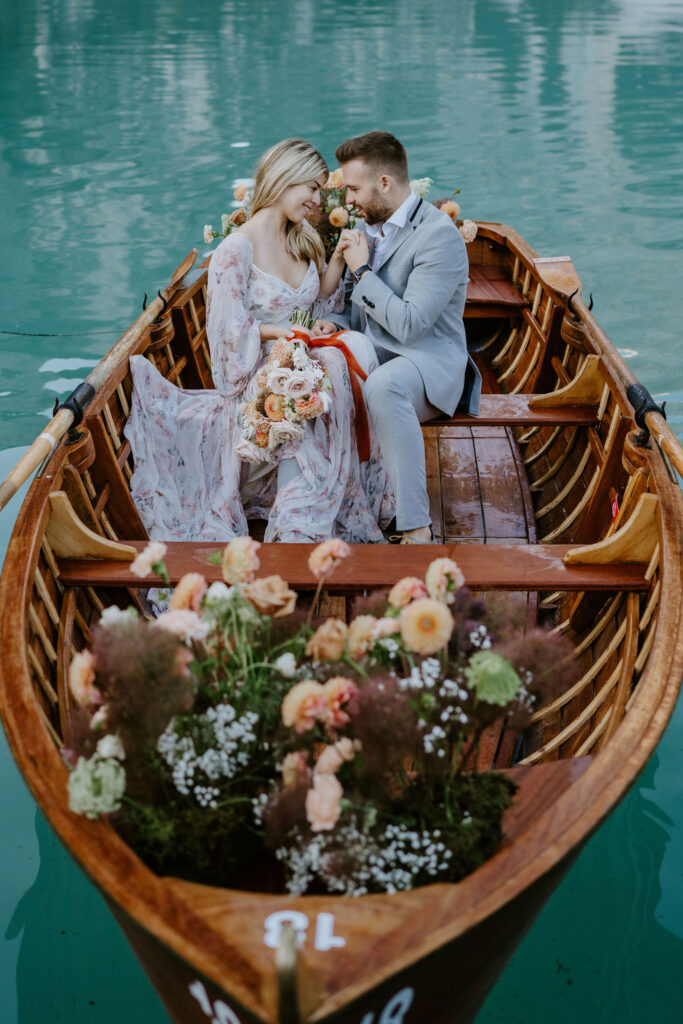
x: 290, y: 162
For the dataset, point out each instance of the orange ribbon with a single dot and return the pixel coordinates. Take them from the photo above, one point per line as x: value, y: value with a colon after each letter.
x: 356, y: 371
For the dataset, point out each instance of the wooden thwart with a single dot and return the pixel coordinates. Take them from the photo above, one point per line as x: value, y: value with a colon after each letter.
x: 525, y: 411
x: 485, y: 567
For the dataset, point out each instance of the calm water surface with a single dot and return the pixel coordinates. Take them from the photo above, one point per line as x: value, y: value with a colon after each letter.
x: 123, y: 128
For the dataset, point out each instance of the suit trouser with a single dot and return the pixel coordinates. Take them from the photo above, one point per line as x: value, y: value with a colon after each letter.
x: 396, y: 400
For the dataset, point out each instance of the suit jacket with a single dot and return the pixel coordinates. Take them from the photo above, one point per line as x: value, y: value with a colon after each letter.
x: 414, y: 303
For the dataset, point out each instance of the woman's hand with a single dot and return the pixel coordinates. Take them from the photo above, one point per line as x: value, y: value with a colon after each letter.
x: 270, y: 332
x: 321, y: 328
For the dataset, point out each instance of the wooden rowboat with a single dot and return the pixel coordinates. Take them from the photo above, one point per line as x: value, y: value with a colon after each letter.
x: 562, y: 490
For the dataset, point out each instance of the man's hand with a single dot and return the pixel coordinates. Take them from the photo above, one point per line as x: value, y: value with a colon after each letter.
x: 321, y: 328
x: 357, y: 251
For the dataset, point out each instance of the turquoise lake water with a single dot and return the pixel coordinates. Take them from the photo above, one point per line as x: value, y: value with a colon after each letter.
x: 123, y: 128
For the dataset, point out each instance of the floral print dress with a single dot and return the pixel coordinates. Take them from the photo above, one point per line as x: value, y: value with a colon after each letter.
x: 189, y: 481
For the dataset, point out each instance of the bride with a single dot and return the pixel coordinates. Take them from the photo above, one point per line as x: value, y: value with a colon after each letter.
x: 190, y: 482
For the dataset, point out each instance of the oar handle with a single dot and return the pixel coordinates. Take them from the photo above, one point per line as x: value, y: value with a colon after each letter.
x: 44, y: 445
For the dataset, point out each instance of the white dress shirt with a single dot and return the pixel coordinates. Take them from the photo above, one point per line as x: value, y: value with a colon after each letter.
x: 382, y: 234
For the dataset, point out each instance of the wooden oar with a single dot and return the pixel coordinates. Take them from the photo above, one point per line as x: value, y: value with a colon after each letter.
x: 44, y: 445
x: 655, y: 422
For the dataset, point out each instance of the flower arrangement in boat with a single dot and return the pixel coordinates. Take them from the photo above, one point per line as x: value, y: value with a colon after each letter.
x: 235, y: 742
x: 290, y: 388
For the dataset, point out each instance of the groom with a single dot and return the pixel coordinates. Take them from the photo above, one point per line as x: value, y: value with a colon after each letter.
x: 408, y: 279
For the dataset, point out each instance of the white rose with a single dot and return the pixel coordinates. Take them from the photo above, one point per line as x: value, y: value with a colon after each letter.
x: 278, y: 378
x: 285, y: 431
x: 225, y: 223
x: 299, y: 384
x: 468, y: 230
x: 115, y: 616
x: 208, y: 234
x: 217, y: 593
x: 111, y: 746
x: 286, y: 665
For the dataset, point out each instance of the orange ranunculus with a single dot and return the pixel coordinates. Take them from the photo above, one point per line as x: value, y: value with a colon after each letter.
x: 328, y: 641
x: 303, y: 705
x: 338, y: 692
x: 310, y: 406
x: 339, y: 217
x: 239, y: 216
x: 240, y: 193
x: 335, y: 179
x: 408, y: 589
x: 189, y: 592
x: 275, y: 407
x: 262, y: 438
x: 326, y: 556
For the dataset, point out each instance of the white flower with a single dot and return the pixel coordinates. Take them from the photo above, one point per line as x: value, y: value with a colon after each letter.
x: 225, y: 223
x: 217, y: 593
x: 111, y: 746
x: 300, y: 383
x: 115, y: 616
x: 147, y: 559
x: 96, y: 786
x: 286, y: 665
x: 183, y: 623
x: 277, y: 379
x: 420, y: 186
x: 285, y: 431
x: 468, y: 230
x: 208, y: 234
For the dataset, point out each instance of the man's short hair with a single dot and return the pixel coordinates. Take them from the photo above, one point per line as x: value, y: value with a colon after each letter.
x: 378, y: 149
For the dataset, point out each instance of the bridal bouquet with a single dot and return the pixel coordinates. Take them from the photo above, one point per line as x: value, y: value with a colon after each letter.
x: 291, y: 387
x: 234, y: 742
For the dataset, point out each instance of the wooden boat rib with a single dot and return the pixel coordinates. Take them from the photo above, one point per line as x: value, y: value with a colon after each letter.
x: 524, y: 498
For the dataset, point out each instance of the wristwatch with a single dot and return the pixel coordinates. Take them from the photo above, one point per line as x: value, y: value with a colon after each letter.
x: 358, y: 273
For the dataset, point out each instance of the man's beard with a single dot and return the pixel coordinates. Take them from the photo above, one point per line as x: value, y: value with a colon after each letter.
x: 376, y: 210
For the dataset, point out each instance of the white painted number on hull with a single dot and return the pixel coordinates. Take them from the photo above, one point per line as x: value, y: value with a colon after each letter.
x: 219, y: 1012
x: 395, y: 1010
x: 324, y: 929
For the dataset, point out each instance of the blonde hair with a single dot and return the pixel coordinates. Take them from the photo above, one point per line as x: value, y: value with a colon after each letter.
x: 287, y: 163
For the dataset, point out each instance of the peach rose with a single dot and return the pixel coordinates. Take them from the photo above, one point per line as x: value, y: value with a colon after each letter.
x: 334, y: 756
x: 335, y: 179
x: 323, y: 803
x: 360, y: 635
x: 82, y: 679
x: 338, y: 692
x: 303, y: 705
x: 324, y: 558
x: 143, y: 564
x: 443, y: 578
x: 189, y: 592
x: 426, y: 626
x: 328, y: 641
x: 240, y: 193
x: 451, y: 208
x: 295, y: 769
x: 275, y: 407
x: 238, y: 217
x: 270, y: 595
x: 468, y: 229
x: 410, y: 588
x: 339, y: 217
x: 183, y: 623
x: 262, y: 438
x: 384, y: 627
x: 309, y: 407
x: 240, y: 560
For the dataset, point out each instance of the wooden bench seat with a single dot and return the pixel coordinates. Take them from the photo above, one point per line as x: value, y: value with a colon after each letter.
x: 528, y: 567
x: 514, y: 411
x: 491, y: 294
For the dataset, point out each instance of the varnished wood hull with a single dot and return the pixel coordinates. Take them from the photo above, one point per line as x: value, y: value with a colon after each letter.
x: 434, y: 953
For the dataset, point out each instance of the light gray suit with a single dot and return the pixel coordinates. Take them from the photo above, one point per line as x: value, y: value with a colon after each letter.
x: 411, y: 306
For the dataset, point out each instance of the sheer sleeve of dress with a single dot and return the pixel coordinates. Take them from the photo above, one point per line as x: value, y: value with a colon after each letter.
x: 232, y: 331
x: 334, y: 303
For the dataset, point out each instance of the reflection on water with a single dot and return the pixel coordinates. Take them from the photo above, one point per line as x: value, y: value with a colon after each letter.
x: 122, y: 129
